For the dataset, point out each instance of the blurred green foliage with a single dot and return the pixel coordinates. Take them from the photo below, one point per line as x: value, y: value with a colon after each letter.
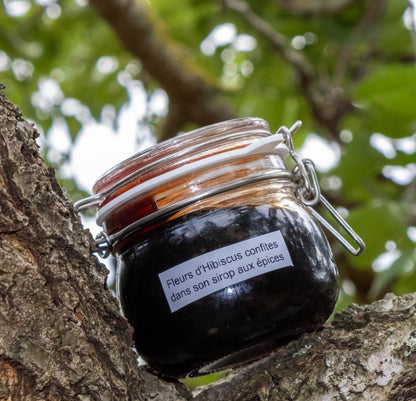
x: 369, y: 60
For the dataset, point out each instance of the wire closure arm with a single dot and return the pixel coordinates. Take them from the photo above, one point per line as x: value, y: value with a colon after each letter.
x: 343, y: 224
x: 309, y: 193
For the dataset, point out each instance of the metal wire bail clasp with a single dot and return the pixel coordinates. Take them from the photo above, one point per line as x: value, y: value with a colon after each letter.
x: 103, y: 244
x: 304, y: 173
x: 309, y: 192
x: 102, y: 241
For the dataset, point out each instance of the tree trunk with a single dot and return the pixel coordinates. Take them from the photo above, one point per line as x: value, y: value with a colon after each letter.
x: 61, y: 334
x: 62, y: 338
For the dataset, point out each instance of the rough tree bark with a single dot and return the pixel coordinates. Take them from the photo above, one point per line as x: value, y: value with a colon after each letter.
x: 61, y: 335
x: 62, y: 338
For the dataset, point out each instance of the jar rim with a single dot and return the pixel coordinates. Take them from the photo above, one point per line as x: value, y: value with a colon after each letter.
x: 157, y: 154
x: 192, y: 153
x: 170, y: 154
x: 271, y: 145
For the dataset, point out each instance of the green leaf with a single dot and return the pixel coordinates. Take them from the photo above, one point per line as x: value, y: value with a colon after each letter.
x: 378, y: 222
x: 359, y: 169
x: 388, y: 98
x: 193, y: 383
x: 384, y: 280
x: 72, y: 189
x: 407, y: 281
x: 74, y: 126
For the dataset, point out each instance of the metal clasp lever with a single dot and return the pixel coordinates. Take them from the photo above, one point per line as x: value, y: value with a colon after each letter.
x: 309, y: 193
x: 342, y: 223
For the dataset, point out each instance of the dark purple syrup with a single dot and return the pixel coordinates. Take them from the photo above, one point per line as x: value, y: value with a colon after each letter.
x: 255, y: 316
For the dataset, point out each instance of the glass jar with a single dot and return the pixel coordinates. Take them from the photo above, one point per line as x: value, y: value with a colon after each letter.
x: 220, y: 260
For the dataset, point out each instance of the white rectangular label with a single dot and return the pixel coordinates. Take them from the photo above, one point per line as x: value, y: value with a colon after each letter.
x: 212, y: 271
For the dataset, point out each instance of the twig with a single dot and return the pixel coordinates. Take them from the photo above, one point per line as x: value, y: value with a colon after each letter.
x: 279, y: 41
x: 308, y: 8
x: 370, y: 18
x: 413, y: 24
x: 198, y: 100
x: 325, y: 102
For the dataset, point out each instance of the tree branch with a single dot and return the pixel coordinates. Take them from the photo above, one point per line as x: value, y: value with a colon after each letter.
x: 198, y: 101
x: 367, y: 25
x: 316, y: 7
x: 279, y: 42
x: 368, y: 353
x: 412, y: 10
x: 326, y: 102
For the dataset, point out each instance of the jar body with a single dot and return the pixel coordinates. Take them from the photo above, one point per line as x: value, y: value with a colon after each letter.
x: 242, y: 319
x: 219, y: 262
